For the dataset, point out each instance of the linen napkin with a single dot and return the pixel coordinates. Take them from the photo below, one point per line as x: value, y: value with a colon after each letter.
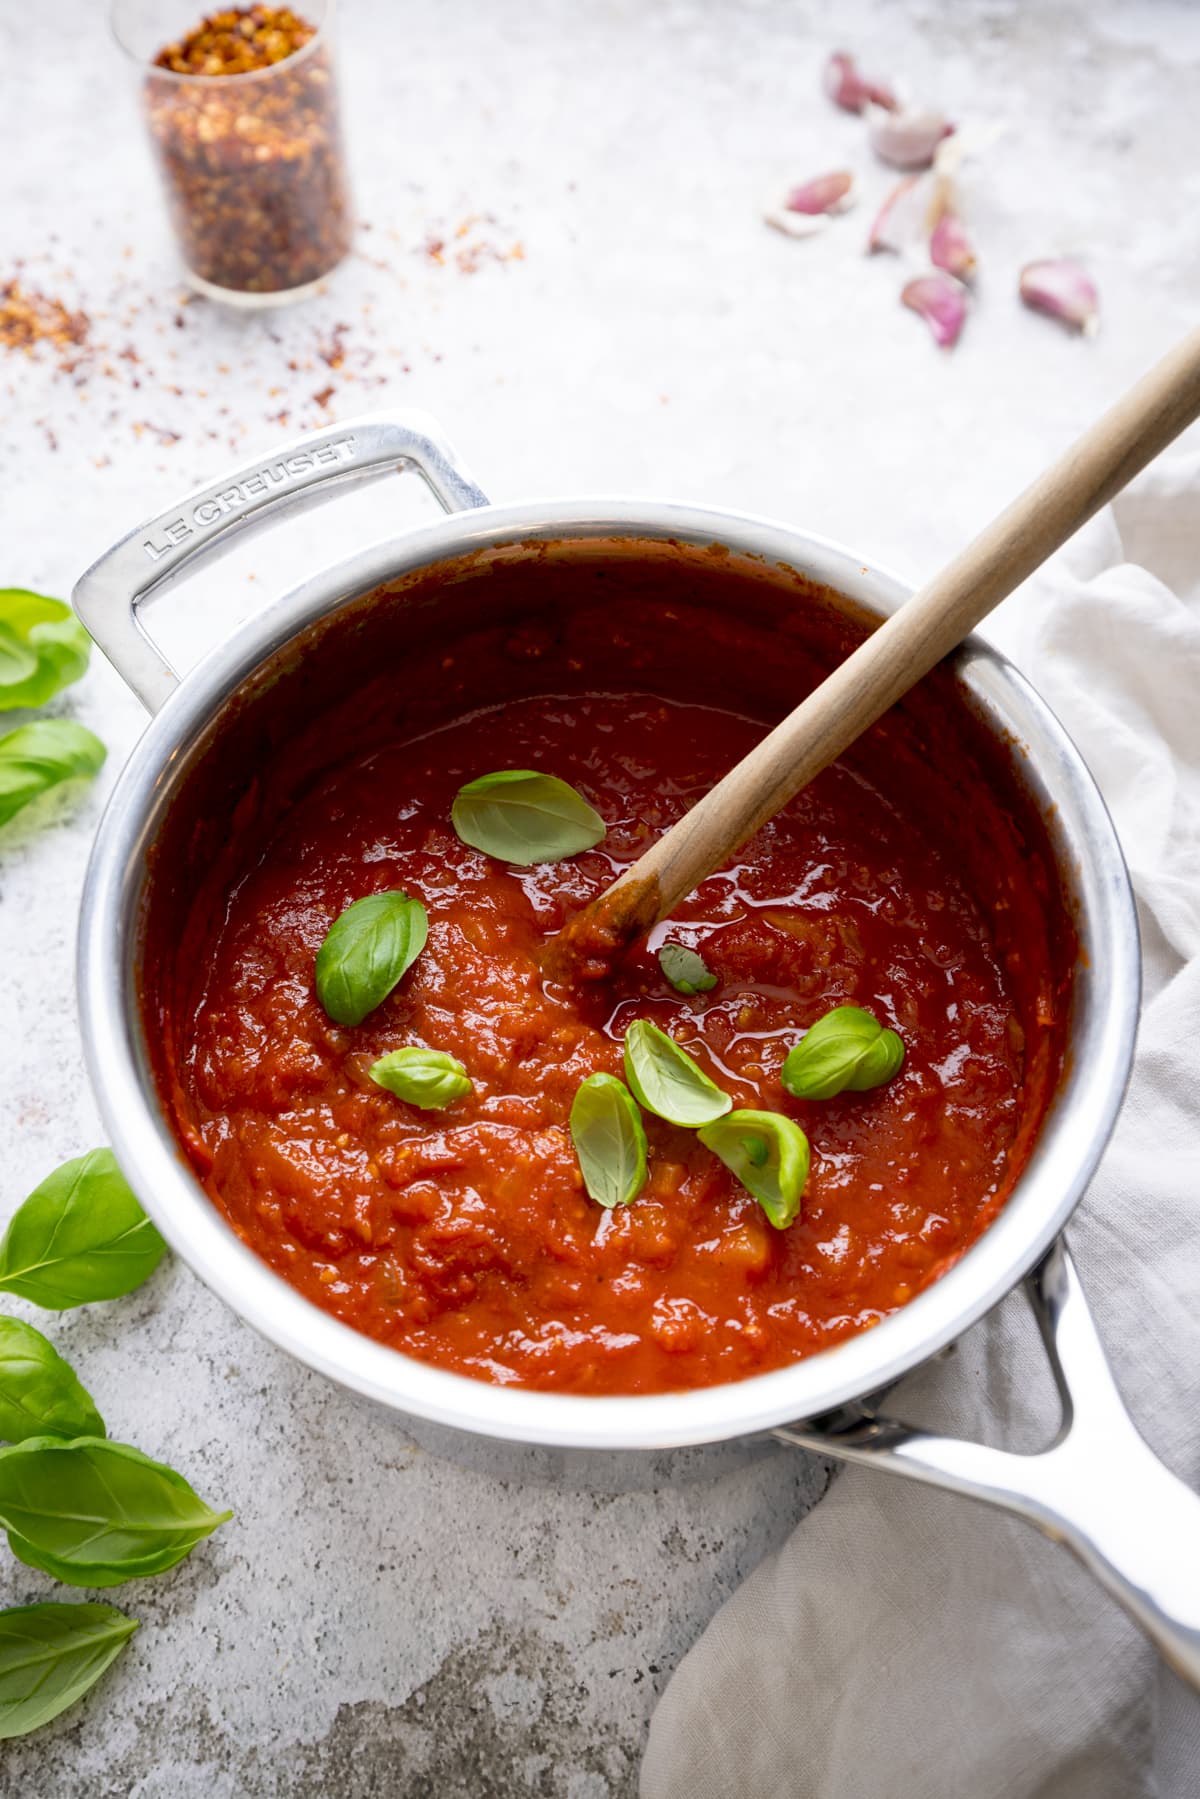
x: 906, y: 1644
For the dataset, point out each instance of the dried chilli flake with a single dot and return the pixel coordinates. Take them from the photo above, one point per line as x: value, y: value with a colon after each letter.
x: 29, y: 318
x: 253, y: 168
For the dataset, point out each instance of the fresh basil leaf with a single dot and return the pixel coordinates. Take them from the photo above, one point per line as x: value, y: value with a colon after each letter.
x: 36, y: 757
x: 769, y: 1154
x: 40, y: 1393
x: 80, y: 1236
x: 95, y: 1513
x: 609, y: 1140
x: 847, y: 1049
x: 43, y: 648
x: 17, y: 660
x: 685, y: 970
x: 521, y: 816
x: 374, y: 942
x: 666, y: 1080
x: 424, y: 1077
x: 50, y: 1655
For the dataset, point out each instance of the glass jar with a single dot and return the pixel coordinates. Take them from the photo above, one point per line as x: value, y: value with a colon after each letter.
x: 252, y: 162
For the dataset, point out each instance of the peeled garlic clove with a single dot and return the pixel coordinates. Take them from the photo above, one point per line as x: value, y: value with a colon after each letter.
x: 824, y: 193
x: 1065, y: 291
x: 908, y: 215
x: 850, y: 90
x: 908, y: 139
x: 941, y: 302
x: 950, y: 248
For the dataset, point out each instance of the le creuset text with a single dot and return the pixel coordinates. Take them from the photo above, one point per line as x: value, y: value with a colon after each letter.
x: 215, y: 506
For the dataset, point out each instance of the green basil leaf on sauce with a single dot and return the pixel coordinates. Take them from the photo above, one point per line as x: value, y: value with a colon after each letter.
x: 769, y: 1154
x: 685, y: 970
x: 523, y: 817
x: 95, y: 1513
x: 847, y: 1049
x: 424, y: 1077
x: 368, y: 949
x: 36, y: 757
x: 50, y: 1654
x: 40, y: 1393
x: 609, y: 1139
x: 80, y: 1236
x: 43, y: 648
x: 666, y: 1080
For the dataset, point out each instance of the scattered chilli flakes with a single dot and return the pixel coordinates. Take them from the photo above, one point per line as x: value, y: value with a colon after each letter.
x: 29, y: 318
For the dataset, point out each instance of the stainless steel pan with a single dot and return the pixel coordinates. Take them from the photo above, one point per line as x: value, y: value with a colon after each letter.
x: 1097, y: 1488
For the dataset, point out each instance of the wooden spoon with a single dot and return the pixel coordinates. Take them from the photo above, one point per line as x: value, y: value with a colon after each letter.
x: 893, y: 659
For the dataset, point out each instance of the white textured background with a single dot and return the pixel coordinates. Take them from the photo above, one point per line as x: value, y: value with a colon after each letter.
x: 375, y: 1621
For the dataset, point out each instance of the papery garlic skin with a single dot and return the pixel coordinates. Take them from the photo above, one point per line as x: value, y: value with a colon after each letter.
x: 908, y: 139
x: 908, y: 215
x: 835, y: 192
x: 796, y: 224
x: 1064, y: 291
x: 950, y: 248
x: 850, y: 90
x: 942, y: 302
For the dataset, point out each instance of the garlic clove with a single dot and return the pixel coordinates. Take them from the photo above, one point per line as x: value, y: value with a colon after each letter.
x: 850, y: 90
x: 1065, y: 291
x: 950, y: 247
x: 907, y: 139
x: 942, y: 303
x: 824, y: 193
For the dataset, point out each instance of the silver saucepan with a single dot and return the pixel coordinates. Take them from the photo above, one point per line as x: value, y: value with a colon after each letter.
x: 1097, y: 1488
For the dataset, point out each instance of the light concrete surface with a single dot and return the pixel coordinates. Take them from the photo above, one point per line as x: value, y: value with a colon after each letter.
x: 377, y: 1621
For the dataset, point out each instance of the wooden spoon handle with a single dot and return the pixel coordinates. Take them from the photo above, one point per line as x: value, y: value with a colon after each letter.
x: 895, y: 657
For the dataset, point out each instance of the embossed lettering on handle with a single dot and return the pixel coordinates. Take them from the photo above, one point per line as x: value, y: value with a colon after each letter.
x: 275, y: 477
x: 208, y: 521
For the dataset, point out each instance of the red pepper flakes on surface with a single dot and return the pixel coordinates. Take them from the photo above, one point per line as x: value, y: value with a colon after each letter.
x: 253, y: 167
x: 29, y: 318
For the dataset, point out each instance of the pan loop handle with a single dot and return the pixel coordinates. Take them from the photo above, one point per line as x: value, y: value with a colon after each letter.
x: 208, y: 521
x: 1098, y: 1488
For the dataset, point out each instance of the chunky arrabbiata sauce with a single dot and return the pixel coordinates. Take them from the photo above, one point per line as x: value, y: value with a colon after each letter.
x: 912, y: 880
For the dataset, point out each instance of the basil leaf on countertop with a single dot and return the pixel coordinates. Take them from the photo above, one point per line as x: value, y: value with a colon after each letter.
x: 40, y: 1393
x: 666, y: 1080
x: 768, y: 1154
x: 424, y: 1077
x: 43, y: 648
x: 36, y: 757
x: 609, y: 1139
x: 367, y: 951
x: 50, y: 1654
x: 523, y: 817
x: 847, y: 1049
x: 80, y: 1236
x: 95, y: 1513
x: 686, y: 971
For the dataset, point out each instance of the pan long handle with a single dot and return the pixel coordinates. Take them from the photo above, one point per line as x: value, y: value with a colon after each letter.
x: 300, y: 473
x: 1098, y: 1488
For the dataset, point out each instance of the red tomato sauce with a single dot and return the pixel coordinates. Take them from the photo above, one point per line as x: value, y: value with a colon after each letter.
x: 913, y: 879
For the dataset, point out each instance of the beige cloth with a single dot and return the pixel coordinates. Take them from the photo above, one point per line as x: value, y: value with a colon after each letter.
x: 905, y: 1644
